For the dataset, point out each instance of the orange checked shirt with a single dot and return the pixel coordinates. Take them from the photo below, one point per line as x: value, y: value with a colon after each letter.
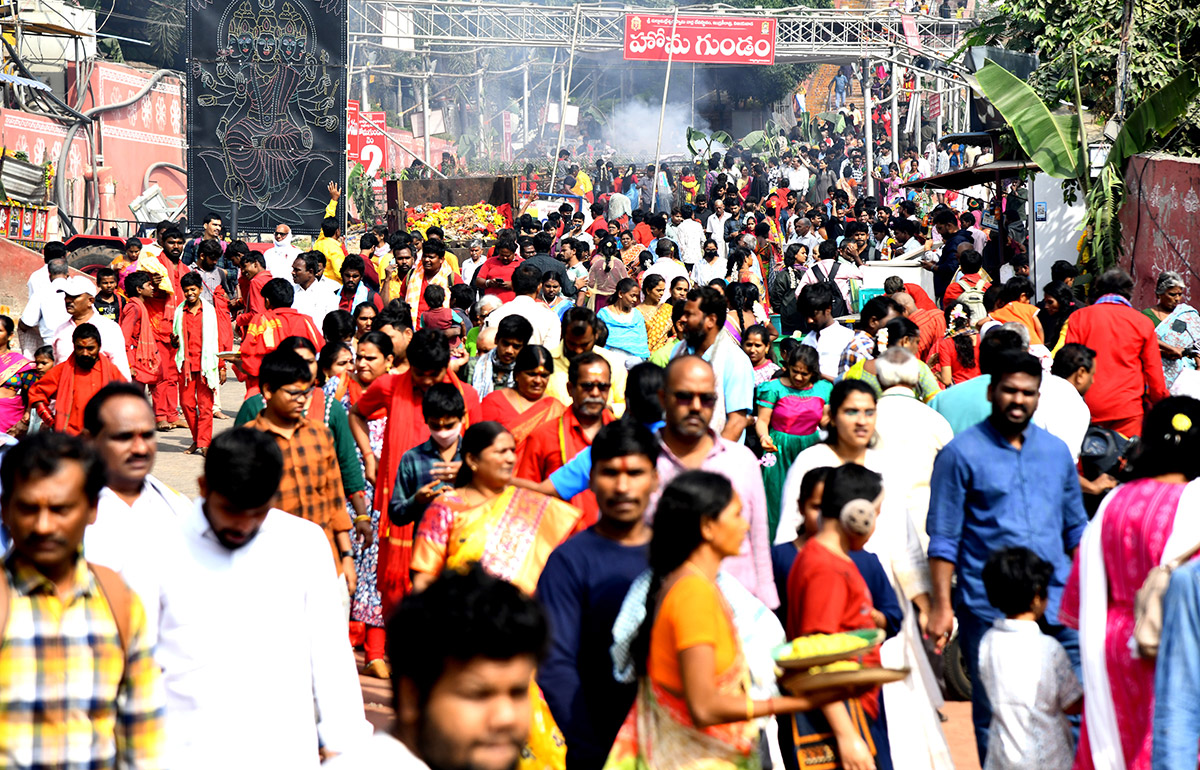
x: 311, y: 487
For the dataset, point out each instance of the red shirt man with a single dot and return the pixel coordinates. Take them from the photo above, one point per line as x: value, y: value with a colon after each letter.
x: 551, y: 445
x: 920, y: 297
x: 1128, y: 362
x: 71, y: 384
x: 270, y: 327
x: 642, y: 234
x: 932, y: 325
x: 955, y: 289
x: 252, y: 280
x: 161, y: 311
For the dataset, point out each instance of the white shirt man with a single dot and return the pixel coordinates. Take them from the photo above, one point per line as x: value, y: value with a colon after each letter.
x: 797, y: 178
x: 1062, y: 412
x: 690, y: 238
x: 318, y: 300
x: 716, y: 228
x: 910, y: 435
x: 126, y: 537
x: 263, y: 619
x: 112, y: 339
x: 809, y: 239
x: 845, y: 272
x: 279, y: 258
x: 669, y: 269
x: 829, y: 342
x: 547, y: 329
x: 45, y: 311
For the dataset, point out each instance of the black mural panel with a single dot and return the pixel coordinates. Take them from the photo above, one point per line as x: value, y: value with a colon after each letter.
x: 266, y: 110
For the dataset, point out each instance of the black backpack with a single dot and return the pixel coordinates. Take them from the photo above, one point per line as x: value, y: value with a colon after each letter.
x: 839, y: 301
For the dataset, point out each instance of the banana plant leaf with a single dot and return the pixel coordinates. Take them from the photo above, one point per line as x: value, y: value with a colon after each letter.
x: 1155, y: 117
x: 1052, y: 141
x: 754, y: 141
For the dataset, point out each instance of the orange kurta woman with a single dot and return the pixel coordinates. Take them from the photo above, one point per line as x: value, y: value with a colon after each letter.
x: 693, y: 710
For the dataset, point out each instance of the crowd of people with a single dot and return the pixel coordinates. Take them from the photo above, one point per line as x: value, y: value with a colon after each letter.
x: 571, y: 489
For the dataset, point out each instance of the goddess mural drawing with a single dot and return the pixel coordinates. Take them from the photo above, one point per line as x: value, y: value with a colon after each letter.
x: 276, y: 141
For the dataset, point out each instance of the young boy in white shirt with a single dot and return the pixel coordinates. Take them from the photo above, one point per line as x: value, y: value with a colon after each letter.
x: 1027, y: 675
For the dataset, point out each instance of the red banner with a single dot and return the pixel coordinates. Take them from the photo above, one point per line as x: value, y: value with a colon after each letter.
x: 701, y: 39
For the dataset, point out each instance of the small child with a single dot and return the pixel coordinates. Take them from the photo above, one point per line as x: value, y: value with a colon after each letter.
x: 144, y: 365
x: 1026, y: 674
x: 107, y: 302
x: 31, y: 422
x: 196, y: 332
x: 437, y: 316
x: 425, y: 471
x: 43, y: 359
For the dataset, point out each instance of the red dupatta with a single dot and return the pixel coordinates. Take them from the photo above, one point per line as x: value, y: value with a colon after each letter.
x: 64, y: 400
x: 144, y: 363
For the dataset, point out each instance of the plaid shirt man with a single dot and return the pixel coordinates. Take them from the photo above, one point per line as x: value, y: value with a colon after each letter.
x: 70, y: 697
x: 862, y: 346
x: 416, y: 470
x: 312, y: 481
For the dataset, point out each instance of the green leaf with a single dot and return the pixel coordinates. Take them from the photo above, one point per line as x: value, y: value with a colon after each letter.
x: 1052, y: 142
x: 1155, y: 117
x: 754, y: 140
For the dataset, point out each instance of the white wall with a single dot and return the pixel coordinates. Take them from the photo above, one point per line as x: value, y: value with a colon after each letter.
x: 1056, y: 238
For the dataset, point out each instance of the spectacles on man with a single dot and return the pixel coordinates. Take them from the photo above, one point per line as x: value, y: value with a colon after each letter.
x: 707, y: 400
x: 297, y: 395
x: 588, y: 387
x: 281, y: 233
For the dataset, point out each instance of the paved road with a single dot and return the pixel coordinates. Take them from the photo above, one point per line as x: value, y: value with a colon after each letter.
x: 180, y: 471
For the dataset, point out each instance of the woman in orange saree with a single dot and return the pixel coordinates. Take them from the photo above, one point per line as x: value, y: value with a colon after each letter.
x: 693, y: 710
x: 524, y: 407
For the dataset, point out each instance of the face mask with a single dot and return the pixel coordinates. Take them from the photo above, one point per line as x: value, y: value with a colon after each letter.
x: 444, y: 438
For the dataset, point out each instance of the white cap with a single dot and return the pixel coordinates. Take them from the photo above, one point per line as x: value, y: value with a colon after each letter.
x: 74, y: 285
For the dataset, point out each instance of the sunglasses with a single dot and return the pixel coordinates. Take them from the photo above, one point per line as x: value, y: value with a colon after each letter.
x: 707, y: 400
x: 588, y: 387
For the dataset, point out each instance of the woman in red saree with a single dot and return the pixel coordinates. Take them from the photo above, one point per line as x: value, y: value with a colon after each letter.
x: 523, y: 408
x: 400, y: 395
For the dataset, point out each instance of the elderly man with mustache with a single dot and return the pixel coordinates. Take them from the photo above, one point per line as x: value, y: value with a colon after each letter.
x: 589, y: 380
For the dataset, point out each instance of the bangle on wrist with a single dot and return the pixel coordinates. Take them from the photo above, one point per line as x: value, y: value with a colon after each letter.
x: 362, y: 517
x: 749, y: 707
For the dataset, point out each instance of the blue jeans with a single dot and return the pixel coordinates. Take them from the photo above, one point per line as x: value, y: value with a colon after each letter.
x: 971, y: 629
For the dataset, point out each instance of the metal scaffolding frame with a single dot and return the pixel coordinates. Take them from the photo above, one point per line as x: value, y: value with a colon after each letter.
x: 804, y: 34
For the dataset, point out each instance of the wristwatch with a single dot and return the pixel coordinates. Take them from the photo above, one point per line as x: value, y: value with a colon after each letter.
x: 346, y: 554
